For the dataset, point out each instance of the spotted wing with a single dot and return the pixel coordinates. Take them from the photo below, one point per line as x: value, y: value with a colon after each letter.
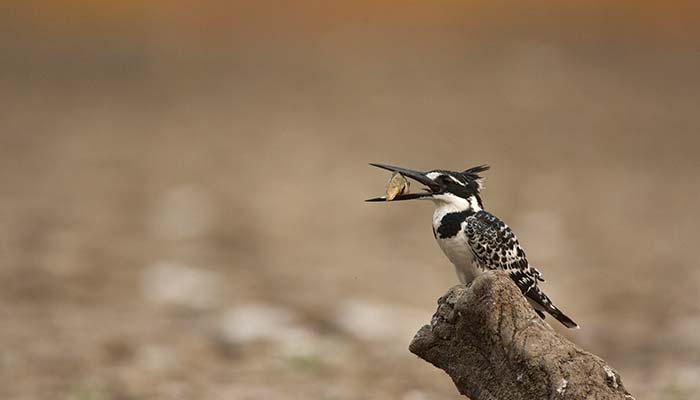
x: 495, y: 246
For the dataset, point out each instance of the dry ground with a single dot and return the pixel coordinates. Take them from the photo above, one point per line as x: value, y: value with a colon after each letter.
x: 190, y: 224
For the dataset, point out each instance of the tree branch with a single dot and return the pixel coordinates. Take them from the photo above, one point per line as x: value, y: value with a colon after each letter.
x: 492, y: 344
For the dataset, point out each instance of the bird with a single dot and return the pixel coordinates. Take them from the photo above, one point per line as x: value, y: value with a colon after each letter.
x: 474, y: 240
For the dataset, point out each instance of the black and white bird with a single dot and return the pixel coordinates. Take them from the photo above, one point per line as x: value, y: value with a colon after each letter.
x: 473, y: 239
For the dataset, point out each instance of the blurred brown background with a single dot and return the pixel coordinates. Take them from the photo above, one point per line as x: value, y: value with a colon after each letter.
x: 181, y: 188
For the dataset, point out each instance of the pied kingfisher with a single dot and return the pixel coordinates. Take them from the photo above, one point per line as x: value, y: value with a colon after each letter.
x: 473, y: 239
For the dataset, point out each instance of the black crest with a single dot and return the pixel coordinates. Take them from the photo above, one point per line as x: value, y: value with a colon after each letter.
x: 473, y: 172
x: 472, y: 179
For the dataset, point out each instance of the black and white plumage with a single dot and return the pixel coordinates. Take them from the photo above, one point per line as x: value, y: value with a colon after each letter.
x: 473, y: 239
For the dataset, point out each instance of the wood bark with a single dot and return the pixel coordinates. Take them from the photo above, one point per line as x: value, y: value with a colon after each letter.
x: 489, y: 340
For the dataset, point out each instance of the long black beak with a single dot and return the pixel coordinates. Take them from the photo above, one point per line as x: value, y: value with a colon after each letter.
x: 418, y: 176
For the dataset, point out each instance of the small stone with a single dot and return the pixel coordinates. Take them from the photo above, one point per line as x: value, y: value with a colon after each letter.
x: 250, y: 322
x: 377, y: 321
x: 179, y: 285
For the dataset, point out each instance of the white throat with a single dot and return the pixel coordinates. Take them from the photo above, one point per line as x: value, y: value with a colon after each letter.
x: 447, y: 203
x: 451, y: 203
x: 455, y: 247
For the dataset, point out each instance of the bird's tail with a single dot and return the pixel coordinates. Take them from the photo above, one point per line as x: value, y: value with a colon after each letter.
x: 541, y: 303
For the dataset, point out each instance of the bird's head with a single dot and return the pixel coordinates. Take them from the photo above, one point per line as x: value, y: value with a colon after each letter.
x: 458, y: 189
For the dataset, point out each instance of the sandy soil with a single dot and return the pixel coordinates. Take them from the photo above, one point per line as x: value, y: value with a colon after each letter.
x: 191, y: 225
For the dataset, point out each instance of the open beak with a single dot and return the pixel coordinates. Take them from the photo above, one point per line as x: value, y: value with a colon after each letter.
x: 432, y: 186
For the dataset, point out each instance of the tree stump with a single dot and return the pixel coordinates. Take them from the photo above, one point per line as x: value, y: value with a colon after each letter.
x: 489, y: 340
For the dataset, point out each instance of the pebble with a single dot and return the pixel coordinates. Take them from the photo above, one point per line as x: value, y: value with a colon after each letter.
x: 372, y: 321
x: 179, y: 285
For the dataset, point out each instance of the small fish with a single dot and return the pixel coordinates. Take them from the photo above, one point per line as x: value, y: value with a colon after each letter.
x: 397, y: 185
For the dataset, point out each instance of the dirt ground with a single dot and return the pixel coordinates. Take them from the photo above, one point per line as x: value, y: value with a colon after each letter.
x: 181, y: 194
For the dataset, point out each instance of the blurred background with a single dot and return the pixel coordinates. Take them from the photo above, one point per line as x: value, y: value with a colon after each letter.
x: 182, y: 185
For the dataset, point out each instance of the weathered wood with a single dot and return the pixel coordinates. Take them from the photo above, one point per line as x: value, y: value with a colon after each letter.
x: 492, y: 344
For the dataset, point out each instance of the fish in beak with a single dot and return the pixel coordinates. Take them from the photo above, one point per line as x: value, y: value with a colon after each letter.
x: 432, y: 187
